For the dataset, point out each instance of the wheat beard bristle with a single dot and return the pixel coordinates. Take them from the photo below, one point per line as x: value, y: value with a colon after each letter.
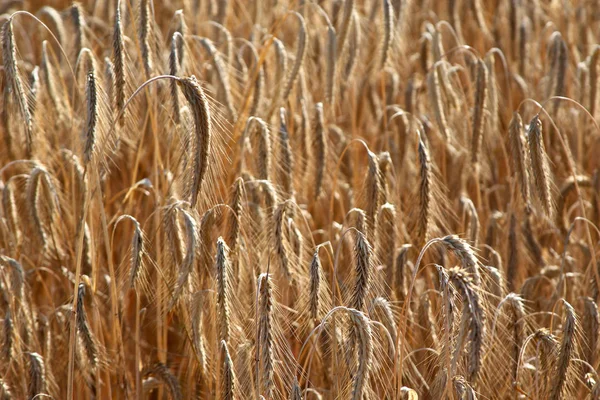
x: 264, y: 339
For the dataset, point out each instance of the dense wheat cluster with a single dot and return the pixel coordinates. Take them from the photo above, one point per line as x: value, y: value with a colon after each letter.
x: 300, y: 199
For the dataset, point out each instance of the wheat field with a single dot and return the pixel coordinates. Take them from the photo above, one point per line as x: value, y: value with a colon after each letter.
x: 300, y: 199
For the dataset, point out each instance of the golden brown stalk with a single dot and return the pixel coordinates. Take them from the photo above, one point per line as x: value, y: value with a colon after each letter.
x: 593, y: 78
x: 479, y: 110
x: 198, y: 102
x: 540, y: 166
x: 14, y: 84
x: 118, y: 56
x: 223, y: 290
x: 228, y: 387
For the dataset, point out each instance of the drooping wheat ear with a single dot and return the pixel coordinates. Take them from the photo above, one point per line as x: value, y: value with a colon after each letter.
x: 492, y: 98
x: 593, y: 78
x: 262, y: 158
x: 316, y: 272
x: 331, y: 65
x: 591, y: 329
x: 465, y: 254
x: 354, y: 47
x: 296, y: 393
x: 400, y: 273
x: 162, y: 373
x: 385, y: 166
x: 286, y: 159
x: 474, y: 318
x: 479, y: 110
x: 118, y: 55
x: 8, y: 333
x: 198, y: 102
x: 300, y: 55
x: 87, y: 338
x: 388, y: 31
x: 264, y: 339
x: 270, y: 196
x: 49, y: 81
x: 472, y: 224
x: 109, y: 80
x: 174, y: 69
x: 512, y: 267
x: 58, y: 25
x: 9, y: 210
x: 34, y: 89
x: 89, y: 132
x: 280, y: 72
x: 146, y: 34
x: 362, y: 330
x: 5, y: 393
x: 33, y: 194
x: 80, y: 26
x: 374, y: 191
x: 236, y: 199
x: 463, y: 389
x: 519, y: 156
x: 222, y: 75
x: 182, y: 28
x: 381, y: 310
x: 227, y: 374
x: 539, y: 166
x: 425, y: 195
x: 223, y: 290
x: 345, y: 25
x: 14, y: 84
x: 560, y: 64
x: 362, y: 265
x: 386, y: 238
x: 319, y: 150
x: 279, y: 216
x: 516, y: 325
x: 358, y: 218
x: 565, y: 354
x: 37, y: 375
x: 548, y: 352
x: 436, y: 100
x: 187, y: 265
x: 425, y: 323
x: 137, y: 251
x: 197, y: 311
x: 259, y: 83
